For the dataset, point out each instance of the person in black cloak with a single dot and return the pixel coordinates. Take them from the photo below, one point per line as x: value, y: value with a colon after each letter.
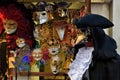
x: 105, y: 61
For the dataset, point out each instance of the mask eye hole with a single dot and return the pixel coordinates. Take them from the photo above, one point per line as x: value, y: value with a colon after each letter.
x: 65, y: 10
x: 43, y: 14
x: 59, y: 10
x: 21, y: 41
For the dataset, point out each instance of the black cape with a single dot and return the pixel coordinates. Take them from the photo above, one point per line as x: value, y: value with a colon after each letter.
x: 106, y: 61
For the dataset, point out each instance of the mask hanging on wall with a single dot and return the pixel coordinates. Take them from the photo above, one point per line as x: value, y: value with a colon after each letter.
x: 43, y: 17
x: 10, y: 26
x: 20, y: 42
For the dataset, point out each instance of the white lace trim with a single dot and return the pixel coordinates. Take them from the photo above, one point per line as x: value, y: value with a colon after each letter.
x: 81, y: 63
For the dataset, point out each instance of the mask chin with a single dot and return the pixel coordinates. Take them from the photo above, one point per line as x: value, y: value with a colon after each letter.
x: 21, y: 45
x: 37, y: 59
x: 63, y: 14
x: 44, y: 20
x: 10, y: 31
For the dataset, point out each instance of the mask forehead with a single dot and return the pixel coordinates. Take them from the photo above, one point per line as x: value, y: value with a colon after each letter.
x: 20, y: 41
x: 10, y: 24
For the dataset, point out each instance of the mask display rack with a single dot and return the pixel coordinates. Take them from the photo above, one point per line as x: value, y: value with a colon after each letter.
x: 41, y: 74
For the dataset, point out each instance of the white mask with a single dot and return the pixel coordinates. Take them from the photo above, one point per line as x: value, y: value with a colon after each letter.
x: 20, y: 42
x: 43, y: 17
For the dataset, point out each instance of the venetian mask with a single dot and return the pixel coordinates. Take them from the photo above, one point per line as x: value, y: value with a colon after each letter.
x: 53, y: 46
x: 20, y: 42
x: 54, y: 50
x: 56, y: 64
x: 10, y: 26
x: 62, y: 8
x: 42, y: 17
x: 62, y: 12
x: 37, y: 54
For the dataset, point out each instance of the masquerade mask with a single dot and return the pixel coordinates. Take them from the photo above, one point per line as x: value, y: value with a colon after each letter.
x: 20, y: 42
x: 53, y: 47
x: 37, y: 54
x: 10, y: 26
x: 62, y: 8
x: 56, y: 65
x: 54, y: 50
x: 42, y: 17
x: 62, y: 12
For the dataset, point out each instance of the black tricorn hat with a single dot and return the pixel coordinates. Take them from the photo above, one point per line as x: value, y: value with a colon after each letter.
x: 93, y: 20
x: 104, y: 46
x: 62, y: 4
x: 40, y: 6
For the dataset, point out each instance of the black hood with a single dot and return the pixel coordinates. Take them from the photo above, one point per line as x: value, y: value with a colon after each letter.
x: 104, y: 46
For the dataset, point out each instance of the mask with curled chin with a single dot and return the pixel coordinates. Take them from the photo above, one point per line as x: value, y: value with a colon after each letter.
x: 10, y: 26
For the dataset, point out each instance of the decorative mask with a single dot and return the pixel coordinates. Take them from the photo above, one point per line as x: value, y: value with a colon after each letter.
x: 10, y: 26
x: 62, y: 12
x: 56, y: 64
x: 37, y: 54
x: 53, y: 46
x: 20, y: 42
x: 42, y: 12
x: 62, y: 8
x: 42, y: 17
x: 55, y: 59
